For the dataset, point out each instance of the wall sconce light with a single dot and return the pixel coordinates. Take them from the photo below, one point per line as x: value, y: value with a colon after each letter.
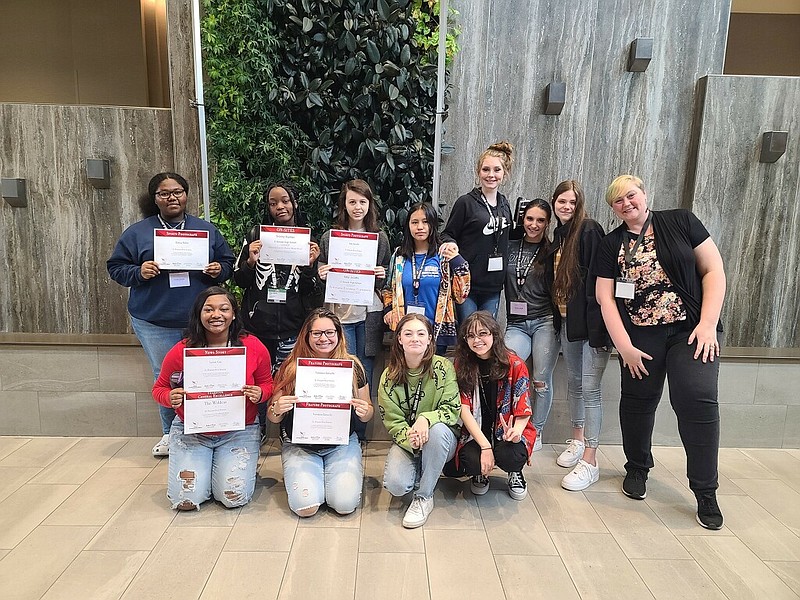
x: 773, y: 145
x: 98, y: 172
x: 14, y: 192
x: 555, y: 95
x: 640, y: 55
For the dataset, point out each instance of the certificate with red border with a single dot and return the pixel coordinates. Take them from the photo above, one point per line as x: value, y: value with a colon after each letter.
x: 213, y: 379
x: 285, y: 245
x: 180, y: 249
x: 324, y: 390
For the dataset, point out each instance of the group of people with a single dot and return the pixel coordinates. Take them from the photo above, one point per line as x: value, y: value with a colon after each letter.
x: 652, y: 288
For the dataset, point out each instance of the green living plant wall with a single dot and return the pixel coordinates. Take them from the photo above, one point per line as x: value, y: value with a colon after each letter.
x: 319, y: 92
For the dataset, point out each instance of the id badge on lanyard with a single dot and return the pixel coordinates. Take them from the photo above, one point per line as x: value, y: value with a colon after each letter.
x: 495, y: 263
x: 276, y: 295
x: 624, y: 288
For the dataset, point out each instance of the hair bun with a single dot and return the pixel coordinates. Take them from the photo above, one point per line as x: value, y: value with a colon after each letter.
x: 505, y: 147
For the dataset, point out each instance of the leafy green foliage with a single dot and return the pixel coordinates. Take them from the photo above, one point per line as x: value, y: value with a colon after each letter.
x: 320, y: 92
x: 426, y: 16
x: 362, y: 90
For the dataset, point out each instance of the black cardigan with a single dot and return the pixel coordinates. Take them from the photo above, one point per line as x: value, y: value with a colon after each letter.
x: 677, y: 233
x: 584, y: 319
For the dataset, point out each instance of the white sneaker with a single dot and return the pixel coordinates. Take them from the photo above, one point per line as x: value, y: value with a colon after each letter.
x: 581, y: 477
x: 162, y: 446
x: 570, y: 457
x: 537, y: 445
x: 418, y: 512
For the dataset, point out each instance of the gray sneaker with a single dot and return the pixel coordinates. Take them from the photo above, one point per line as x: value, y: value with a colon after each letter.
x: 418, y: 512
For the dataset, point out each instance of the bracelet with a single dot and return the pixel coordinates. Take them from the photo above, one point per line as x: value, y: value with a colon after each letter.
x: 274, y: 412
x: 487, y: 448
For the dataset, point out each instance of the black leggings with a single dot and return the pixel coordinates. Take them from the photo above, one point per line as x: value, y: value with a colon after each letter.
x: 509, y: 457
x: 692, y: 394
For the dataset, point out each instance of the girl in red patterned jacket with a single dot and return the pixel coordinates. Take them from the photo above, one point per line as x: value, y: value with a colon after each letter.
x: 495, y: 408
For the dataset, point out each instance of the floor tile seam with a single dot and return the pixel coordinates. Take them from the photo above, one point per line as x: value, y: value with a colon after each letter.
x: 690, y: 559
x: 765, y: 466
x: 52, y: 458
x: 17, y: 437
x: 702, y: 568
x: 26, y: 482
x: 74, y: 558
x: 216, y: 562
x: 770, y: 512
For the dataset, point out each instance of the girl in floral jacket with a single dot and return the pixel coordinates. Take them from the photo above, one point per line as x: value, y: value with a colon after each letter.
x: 495, y: 408
x: 422, y: 281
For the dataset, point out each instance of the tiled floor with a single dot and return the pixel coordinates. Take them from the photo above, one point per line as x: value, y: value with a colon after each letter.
x: 88, y: 518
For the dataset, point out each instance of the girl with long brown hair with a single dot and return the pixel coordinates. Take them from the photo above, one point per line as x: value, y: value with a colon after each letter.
x: 418, y: 397
x: 584, y: 339
x: 495, y: 407
x: 315, y: 474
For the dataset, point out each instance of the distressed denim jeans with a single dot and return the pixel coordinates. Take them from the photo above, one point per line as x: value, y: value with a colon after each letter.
x: 202, y: 465
x: 537, y: 338
x: 404, y: 469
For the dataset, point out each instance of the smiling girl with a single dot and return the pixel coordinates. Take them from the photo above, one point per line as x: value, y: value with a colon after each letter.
x: 532, y: 319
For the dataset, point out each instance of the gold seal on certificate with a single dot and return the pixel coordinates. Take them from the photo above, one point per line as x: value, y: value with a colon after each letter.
x: 213, y: 380
x: 324, y: 390
x: 180, y: 249
x: 285, y: 245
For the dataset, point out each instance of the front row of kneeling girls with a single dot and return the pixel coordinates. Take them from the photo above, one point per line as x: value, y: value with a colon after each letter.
x: 419, y: 402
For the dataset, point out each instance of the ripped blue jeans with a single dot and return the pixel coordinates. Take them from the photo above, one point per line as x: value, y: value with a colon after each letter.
x: 537, y: 338
x: 202, y: 465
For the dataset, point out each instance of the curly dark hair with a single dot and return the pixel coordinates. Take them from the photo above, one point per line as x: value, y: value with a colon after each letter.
x: 466, y: 361
x: 195, y: 333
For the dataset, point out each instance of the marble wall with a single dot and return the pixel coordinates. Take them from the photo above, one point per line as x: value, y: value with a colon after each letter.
x: 613, y: 121
x: 55, y: 250
x: 752, y: 208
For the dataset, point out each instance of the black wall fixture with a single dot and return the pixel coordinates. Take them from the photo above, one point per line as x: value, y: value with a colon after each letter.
x: 15, y: 192
x: 640, y: 54
x: 555, y: 95
x: 773, y: 145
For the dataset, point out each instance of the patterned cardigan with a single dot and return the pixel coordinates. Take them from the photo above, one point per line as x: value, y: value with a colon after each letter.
x: 513, y: 398
x: 453, y: 286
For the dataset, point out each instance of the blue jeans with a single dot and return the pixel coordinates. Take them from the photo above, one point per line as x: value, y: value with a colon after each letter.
x: 157, y: 341
x: 403, y: 469
x: 355, y: 336
x: 201, y: 465
x: 333, y: 475
x: 489, y: 301
x: 537, y: 337
x: 585, y: 366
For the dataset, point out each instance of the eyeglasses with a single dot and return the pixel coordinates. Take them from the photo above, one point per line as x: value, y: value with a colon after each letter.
x: 480, y: 334
x: 328, y: 333
x: 166, y: 194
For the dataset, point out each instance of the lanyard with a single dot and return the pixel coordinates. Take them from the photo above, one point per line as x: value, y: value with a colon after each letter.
x: 522, y: 276
x: 414, y: 401
x: 631, y: 252
x: 289, y: 278
x: 494, y: 221
x: 416, y: 275
x: 166, y: 225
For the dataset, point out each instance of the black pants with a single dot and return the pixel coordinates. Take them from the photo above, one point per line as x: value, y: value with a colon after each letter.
x: 692, y: 394
x: 509, y: 457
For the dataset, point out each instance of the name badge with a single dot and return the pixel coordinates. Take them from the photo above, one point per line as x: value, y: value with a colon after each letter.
x: 179, y: 279
x: 415, y: 309
x: 276, y: 295
x: 519, y: 308
x: 625, y: 288
x: 495, y: 263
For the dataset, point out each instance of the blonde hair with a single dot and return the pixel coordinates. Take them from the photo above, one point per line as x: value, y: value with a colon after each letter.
x: 621, y: 181
x: 502, y: 150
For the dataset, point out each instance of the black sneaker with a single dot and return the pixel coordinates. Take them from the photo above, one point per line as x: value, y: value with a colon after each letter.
x: 517, y: 488
x: 708, y: 512
x: 479, y: 485
x: 634, y: 485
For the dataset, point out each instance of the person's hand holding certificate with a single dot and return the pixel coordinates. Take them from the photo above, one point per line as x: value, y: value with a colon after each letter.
x: 180, y: 249
x: 213, y: 380
x: 285, y: 245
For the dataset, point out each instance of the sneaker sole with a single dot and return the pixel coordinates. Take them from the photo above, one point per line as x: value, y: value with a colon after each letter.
x: 710, y: 527
x: 567, y: 465
x: 578, y: 488
x: 478, y: 491
x: 414, y: 525
x: 518, y: 496
x: 161, y: 453
x: 642, y: 497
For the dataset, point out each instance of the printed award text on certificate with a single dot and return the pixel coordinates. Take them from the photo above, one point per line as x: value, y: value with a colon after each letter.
x: 285, y: 245
x: 180, y: 249
x: 213, y: 380
x: 324, y: 390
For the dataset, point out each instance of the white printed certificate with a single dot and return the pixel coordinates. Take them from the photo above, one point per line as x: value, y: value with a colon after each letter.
x: 350, y: 286
x: 213, y: 379
x: 285, y: 245
x: 353, y: 249
x: 324, y: 390
x: 180, y: 249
